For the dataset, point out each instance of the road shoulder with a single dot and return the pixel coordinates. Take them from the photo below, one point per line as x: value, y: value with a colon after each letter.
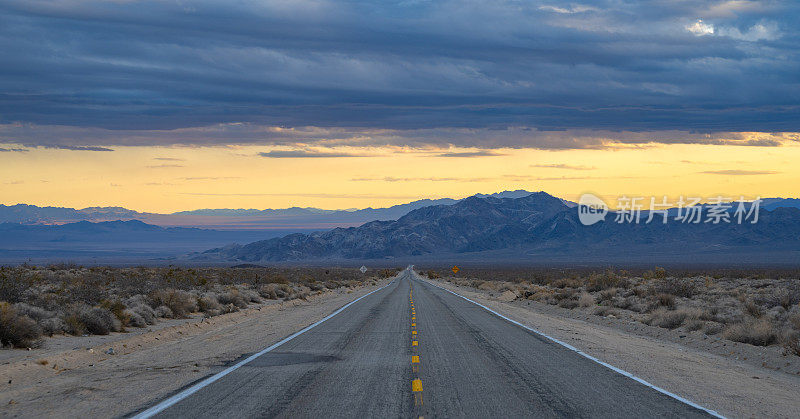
x: 145, y: 367
x: 728, y: 386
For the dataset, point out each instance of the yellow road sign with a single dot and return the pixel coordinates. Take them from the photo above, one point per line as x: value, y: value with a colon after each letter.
x: 455, y: 269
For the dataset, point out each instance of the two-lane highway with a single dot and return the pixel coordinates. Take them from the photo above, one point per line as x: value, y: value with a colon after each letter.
x: 411, y: 349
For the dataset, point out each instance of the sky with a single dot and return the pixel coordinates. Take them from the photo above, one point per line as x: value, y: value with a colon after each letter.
x: 172, y: 105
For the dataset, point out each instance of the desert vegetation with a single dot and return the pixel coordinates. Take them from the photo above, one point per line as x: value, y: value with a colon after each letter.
x: 68, y: 299
x: 757, y: 307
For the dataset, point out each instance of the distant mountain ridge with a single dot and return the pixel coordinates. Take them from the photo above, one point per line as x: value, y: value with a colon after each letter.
x: 536, y: 222
x: 285, y: 218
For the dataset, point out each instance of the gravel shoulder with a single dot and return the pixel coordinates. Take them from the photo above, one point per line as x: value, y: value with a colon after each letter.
x: 121, y: 373
x: 741, y: 383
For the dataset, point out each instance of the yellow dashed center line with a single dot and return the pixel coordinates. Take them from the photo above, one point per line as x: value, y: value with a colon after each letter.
x: 416, y: 382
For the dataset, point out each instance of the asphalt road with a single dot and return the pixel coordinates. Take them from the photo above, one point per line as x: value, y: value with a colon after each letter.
x: 471, y: 363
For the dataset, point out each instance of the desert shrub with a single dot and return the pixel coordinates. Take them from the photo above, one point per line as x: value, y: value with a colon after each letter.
x: 388, y: 273
x: 758, y: 332
x: 36, y: 313
x: 712, y: 328
x: 607, y: 294
x: 657, y: 273
x: 164, y: 312
x: 135, y: 319
x: 251, y: 296
x: 269, y: 291
x: 694, y: 325
x: 301, y: 292
x: 118, y: 309
x: 792, y: 343
x: 568, y: 303
x: 567, y: 283
x: 208, y: 303
x: 586, y: 300
x: 232, y: 296
x: 145, y: 312
x: 565, y: 294
x: 597, y: 282
x: 667, y: 319
x: 99, y: 321
x: 431, y: 274
x: 787, y: 298
x: 605, y: 311
x: 74, y: 324
x: 623, y: 303
x: 180, y: 303
x: 666, y: 300
x: 751, y: 308
x: 680, y: 287
x: 794, y: 320
x: 17, y: 330
x: 53, y: 325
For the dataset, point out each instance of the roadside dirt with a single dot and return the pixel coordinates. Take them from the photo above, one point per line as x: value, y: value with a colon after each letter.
x: 118, y: 374
x: 743, y: 382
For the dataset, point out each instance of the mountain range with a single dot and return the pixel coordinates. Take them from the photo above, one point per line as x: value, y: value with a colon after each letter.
x: 294, y: 218
x: 511, y: 226
x: 517, y: 228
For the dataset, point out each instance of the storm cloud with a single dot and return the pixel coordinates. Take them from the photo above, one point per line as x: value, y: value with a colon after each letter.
x: 85, y: 73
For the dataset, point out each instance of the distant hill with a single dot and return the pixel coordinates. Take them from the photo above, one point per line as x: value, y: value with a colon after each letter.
x: 112, y: 241
x: 537, y: 223
x: 31, y: 214
x: 294, y: 218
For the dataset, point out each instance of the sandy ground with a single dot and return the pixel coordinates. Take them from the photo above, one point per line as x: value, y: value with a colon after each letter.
x: 728, y: 384
x: 78, y: 377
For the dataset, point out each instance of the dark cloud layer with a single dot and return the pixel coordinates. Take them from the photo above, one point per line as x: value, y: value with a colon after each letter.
x: 75, y: 68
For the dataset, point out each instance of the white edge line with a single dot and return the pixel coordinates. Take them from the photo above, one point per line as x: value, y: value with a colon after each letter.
x: 585, y: 355
x: 197, y: 387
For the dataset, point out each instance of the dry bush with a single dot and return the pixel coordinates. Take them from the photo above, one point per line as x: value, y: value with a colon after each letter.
x: 758, y: 332
x: 17, y: 330
x: 605, y: 311
x: 567, y: 283
x: 586, y: 300
x: 751, y: 308
x: 388, y: 273
x: 791, y: 342
x: 99, y: 321
x: 234, y: 297
x: 164, y: 312
x: 36, y: 313
x: 269, y: 291
x: 180, y: 303
x: 53, y: 325
x: 623, y: 303
x: 712, y: 328
x: 656, y: 273
x: 787, y: 298
x: 118, y: 309
x: 568, y: 303
x: 606, y: 295
x: 431, y: 274
x: 598, y: 282
x: 208, y: 302
x: 74, y: 325
x: 135, y: 319
x: 666, y: 300
x: 668, y: 319
x: 794, y: 320
x: 681, y: 287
